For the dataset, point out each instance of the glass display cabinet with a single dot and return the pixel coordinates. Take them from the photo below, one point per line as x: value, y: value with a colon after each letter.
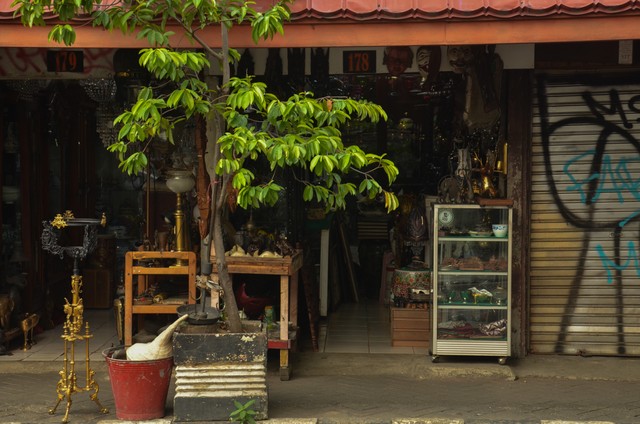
x: 471, y: 281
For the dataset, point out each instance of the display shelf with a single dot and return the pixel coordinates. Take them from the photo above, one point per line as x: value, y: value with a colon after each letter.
x: 144, y: 264
x: 471, y: 282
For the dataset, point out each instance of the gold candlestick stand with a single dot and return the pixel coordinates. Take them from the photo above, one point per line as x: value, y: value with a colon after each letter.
x: 73, y: 326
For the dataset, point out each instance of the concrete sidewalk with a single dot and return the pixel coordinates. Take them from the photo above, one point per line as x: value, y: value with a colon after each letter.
x: 420, y: 366
x: 365, y: 388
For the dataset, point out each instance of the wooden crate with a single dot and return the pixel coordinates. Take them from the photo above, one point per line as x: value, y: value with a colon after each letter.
x: 256, y: 265
x: 410, y: 327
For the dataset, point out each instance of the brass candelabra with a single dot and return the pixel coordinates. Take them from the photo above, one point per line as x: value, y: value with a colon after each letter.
x: 74, y: 309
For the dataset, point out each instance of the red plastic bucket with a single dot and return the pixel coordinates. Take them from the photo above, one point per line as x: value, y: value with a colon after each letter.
x: 140, y: 388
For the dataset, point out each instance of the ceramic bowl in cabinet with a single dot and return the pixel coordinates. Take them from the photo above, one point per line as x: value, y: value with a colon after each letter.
x: 500, y: 230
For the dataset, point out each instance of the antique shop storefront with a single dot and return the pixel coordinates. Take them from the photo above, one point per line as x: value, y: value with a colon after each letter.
x: 490, y: 108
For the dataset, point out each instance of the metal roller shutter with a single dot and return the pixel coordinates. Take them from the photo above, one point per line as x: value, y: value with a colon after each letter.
x: 585, y: 206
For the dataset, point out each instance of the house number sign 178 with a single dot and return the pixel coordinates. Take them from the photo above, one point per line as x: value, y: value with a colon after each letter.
x: 359, y: 62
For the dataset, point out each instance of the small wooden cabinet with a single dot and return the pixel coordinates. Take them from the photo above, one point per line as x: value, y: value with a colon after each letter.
x: 410, y: 327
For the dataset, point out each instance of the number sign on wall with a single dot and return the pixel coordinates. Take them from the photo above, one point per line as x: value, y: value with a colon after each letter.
x: 359, y: 62
x: 65, y: 61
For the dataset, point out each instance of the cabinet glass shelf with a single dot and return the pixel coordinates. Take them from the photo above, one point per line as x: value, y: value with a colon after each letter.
x: 465, y: 272
x: 471, y: 305
x: 469, y: 238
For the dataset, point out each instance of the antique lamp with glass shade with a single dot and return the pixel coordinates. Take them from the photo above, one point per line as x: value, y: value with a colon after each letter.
x: 180, y: 181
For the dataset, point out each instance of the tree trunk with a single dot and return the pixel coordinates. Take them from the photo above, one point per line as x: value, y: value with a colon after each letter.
x: 216, y: 128
x: 216, y: 236
x: 230, y: 305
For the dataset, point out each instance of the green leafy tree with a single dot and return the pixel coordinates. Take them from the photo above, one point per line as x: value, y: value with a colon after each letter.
x: 244, y: 120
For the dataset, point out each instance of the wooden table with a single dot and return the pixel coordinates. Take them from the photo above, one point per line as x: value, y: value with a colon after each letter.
x: 287, y: 268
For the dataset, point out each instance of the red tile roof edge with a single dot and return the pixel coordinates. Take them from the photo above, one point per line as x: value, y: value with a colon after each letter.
x: 319, y: 11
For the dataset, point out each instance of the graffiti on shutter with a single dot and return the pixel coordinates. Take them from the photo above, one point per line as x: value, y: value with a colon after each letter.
x: 585, y: 212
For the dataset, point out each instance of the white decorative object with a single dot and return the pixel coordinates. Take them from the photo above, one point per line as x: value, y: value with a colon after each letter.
x: 500, y: 230
x: 445, y: 217
x: 161, y: 347
x: 180, y: 180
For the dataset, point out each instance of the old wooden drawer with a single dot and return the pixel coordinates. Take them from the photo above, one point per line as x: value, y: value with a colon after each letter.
x: 410, y: 327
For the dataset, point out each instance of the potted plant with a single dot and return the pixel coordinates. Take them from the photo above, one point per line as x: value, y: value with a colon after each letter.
x: 243, y: 120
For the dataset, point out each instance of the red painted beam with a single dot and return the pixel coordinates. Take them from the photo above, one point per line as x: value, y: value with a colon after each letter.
x: 364, y: 34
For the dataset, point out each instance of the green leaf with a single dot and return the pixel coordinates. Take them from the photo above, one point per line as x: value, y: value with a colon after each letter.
x: 314, y: 163
x: 307, y: 193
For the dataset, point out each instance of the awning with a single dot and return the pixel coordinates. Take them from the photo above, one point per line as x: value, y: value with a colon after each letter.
x: 353, y: 23
x: 368, y: 10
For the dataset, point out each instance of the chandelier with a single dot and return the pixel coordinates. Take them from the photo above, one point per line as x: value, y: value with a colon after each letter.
x: 185, y: 155
x: 103, y: 92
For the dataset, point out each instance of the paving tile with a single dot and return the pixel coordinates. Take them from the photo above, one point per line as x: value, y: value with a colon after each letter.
x: 387, y: 348
x: 346, y: 348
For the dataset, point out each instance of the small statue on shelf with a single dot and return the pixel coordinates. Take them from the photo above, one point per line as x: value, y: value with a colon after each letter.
x: 255, y: 244
x: 416, y: 228
x: 486, y: 187
x: 283, y: 247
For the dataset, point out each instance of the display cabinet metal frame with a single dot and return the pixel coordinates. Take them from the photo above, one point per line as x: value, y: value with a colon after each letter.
x: 472, y: 271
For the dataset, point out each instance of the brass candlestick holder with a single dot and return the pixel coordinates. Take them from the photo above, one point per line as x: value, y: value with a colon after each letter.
x: 74, y: 323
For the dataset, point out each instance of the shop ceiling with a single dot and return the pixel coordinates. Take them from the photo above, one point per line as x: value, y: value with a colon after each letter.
x: 356, y: 23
